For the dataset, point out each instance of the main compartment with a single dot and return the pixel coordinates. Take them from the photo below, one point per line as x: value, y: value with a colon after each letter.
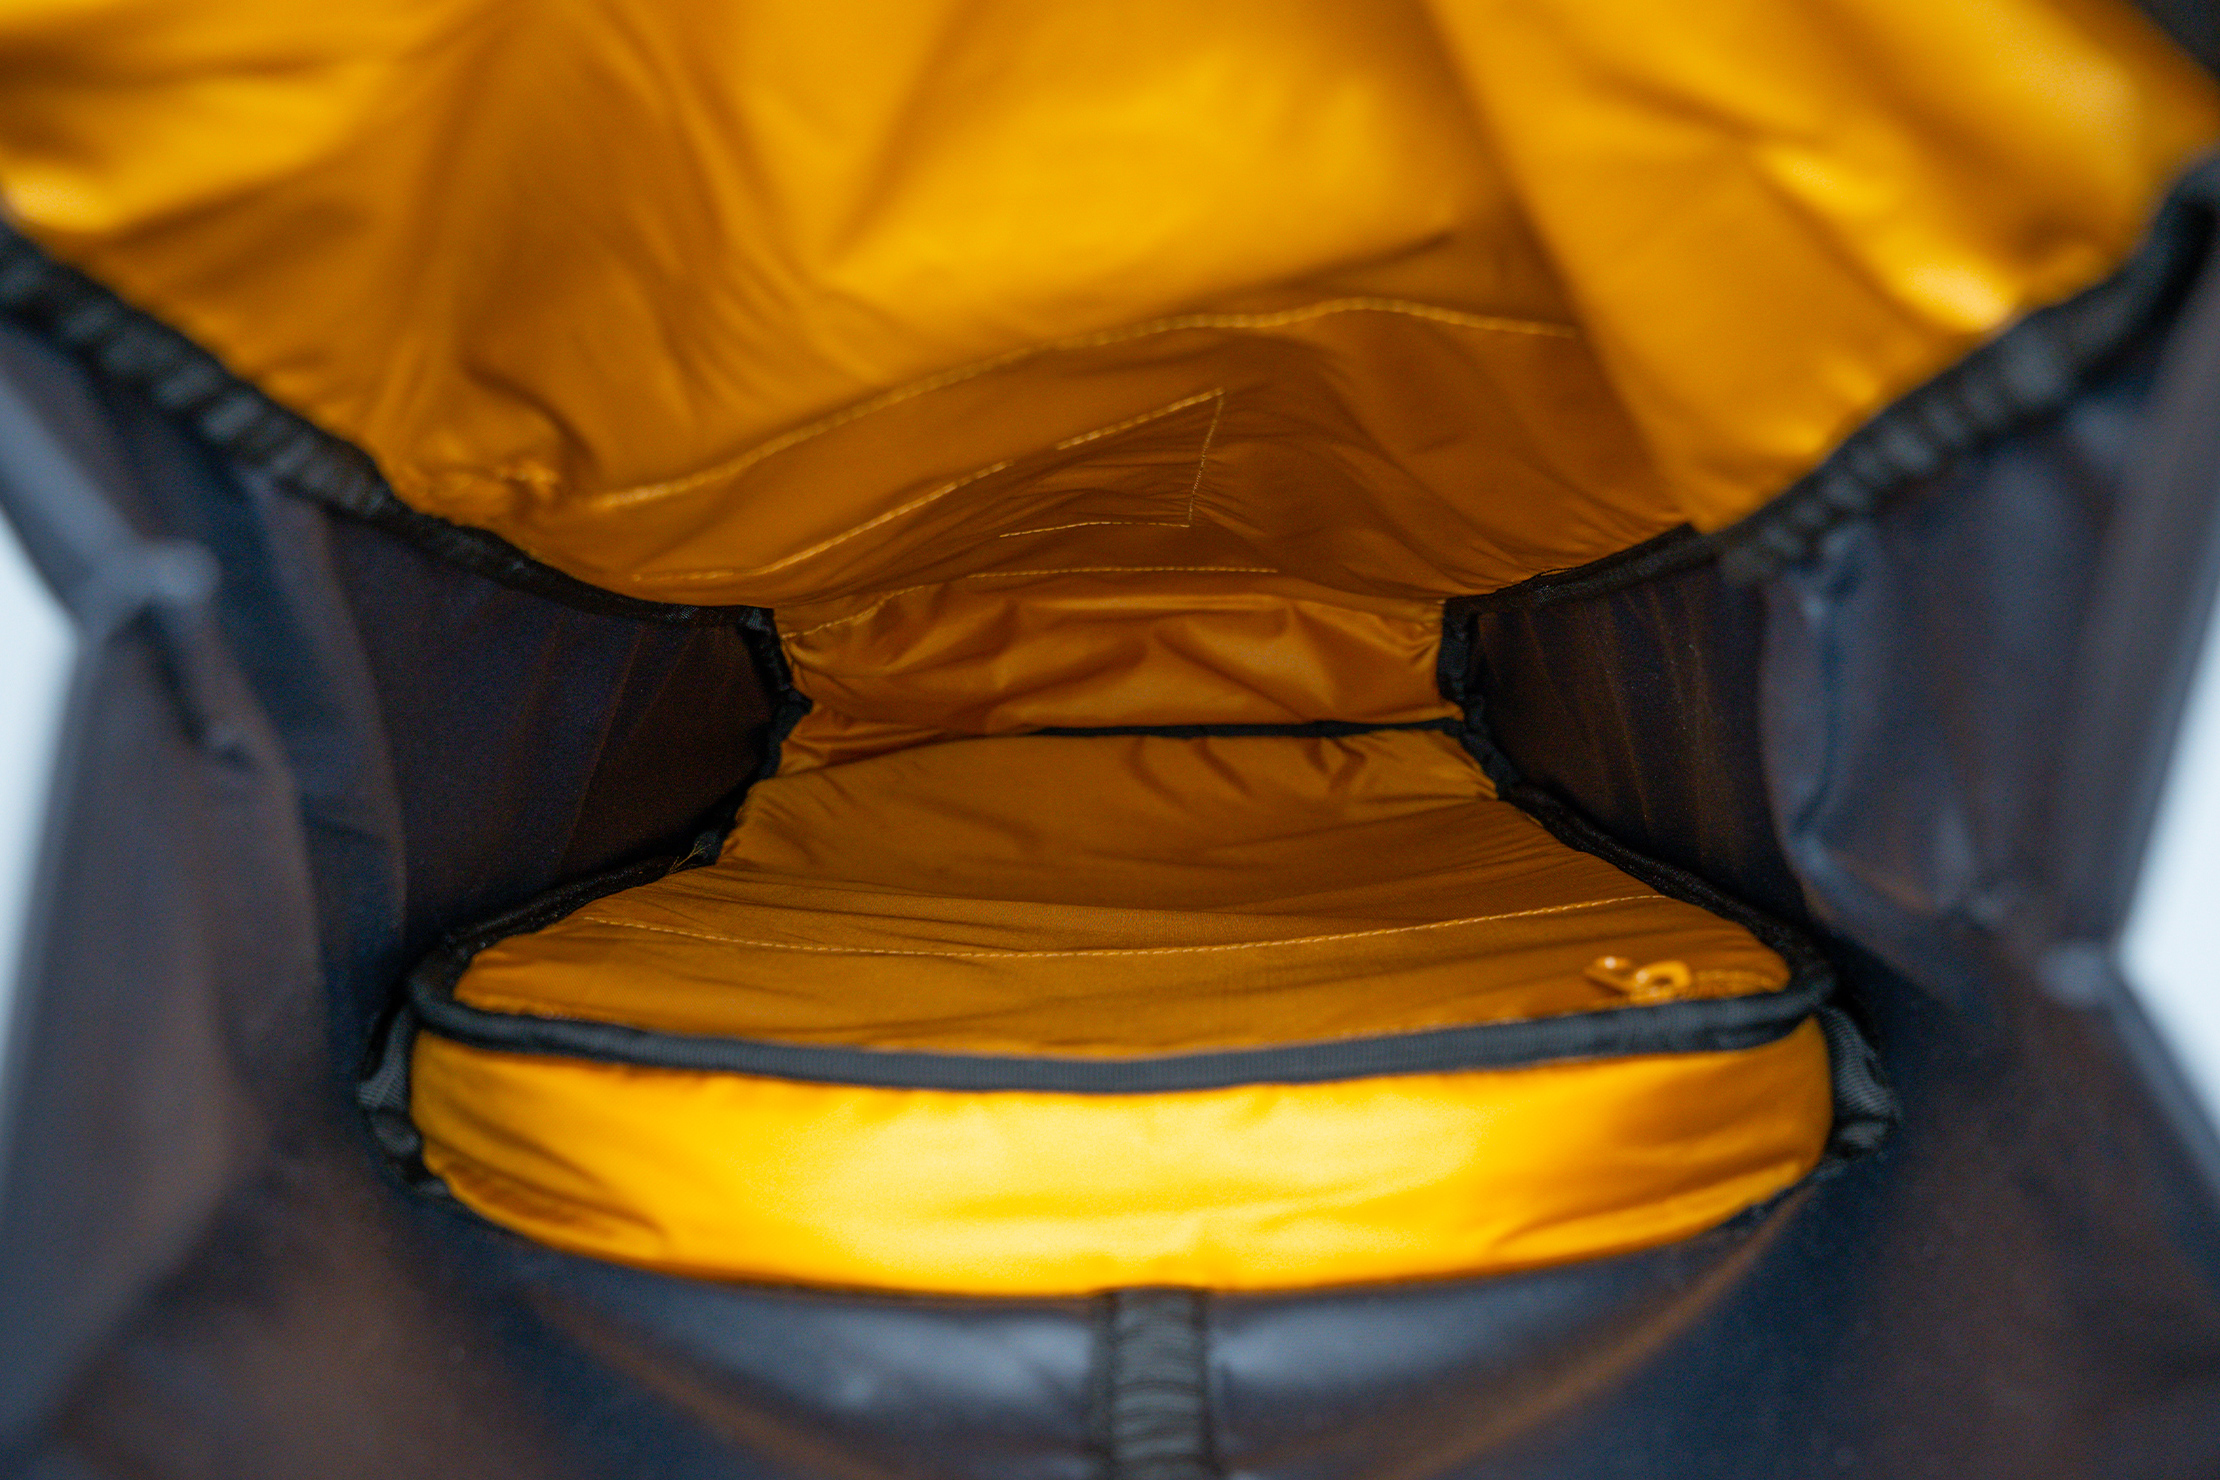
x: 1104, y: 400
x: 1115, y: 925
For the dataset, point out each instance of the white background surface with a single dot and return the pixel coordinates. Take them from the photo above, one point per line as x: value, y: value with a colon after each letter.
x: 38, y: 650
x: 2171, y: 951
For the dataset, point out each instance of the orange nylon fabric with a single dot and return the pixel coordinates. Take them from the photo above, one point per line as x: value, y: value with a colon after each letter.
x: 1259, y: 1187
x: 1118, y: 896
x: 1020, y: 650
x: 1112, y: 362
x: 1100, y: 897
x: 1814, y: 207
x: 736, y: 301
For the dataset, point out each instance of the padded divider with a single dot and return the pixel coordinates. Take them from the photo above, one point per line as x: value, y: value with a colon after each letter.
x: 1116, y: 896
x: 1246, y: 974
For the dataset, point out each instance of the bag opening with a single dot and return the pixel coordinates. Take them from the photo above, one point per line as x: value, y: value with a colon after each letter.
x: 1101, y: 424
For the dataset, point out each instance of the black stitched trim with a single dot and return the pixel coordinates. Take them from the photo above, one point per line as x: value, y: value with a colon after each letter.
x: 1865, y: 1107
x: 1704, y: 1025
x: 1805, y: 961
x: 126, y: 346
x: 1152, y: 1385
x: 762, y: 632
x: 1572, y: 828
x: 2029, y: 371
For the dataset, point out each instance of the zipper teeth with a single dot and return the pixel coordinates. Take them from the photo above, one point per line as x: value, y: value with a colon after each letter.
x: 1687, y: 1026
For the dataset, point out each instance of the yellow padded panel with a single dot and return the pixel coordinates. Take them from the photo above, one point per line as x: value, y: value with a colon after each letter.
x: 1114, y: 897
x: 1020, y: 650
x: 1118, y: 895
x: 1257, y: 1187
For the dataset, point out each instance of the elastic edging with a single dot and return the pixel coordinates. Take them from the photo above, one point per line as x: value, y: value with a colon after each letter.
x: 1865, y: 1106
x: 1677, y: 549
x: 126, y: 346
x: 2031, y: 370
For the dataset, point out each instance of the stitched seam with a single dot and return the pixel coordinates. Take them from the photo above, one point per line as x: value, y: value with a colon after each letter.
x: 1083, y: 438
x: 1293, y: 601
x: 869, y: 524
x: 1080, y: 440
x: 1248, y: 945
x: 1099, y: 524
x: 644, y: 492
x: 1120, y: 570
x: 1210, y: 435
x: 1202, y: 464
x: 867, y: 611
x: 1003, y: 575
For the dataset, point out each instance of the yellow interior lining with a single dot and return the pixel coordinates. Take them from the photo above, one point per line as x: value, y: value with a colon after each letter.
x: 1012, y: 651
x: 1119, y: 896
x: 1257, y: 1187
x: 756, y: 303
x: 1091, y: 364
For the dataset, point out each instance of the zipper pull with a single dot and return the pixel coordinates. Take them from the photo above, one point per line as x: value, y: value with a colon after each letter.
x: 1648, y: 983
